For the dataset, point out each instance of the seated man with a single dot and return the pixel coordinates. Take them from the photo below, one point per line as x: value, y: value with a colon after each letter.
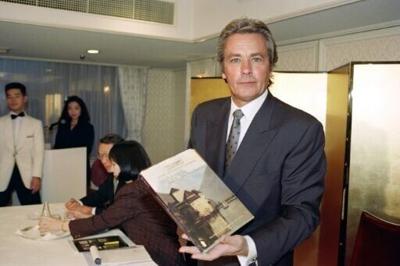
x: 97, y: 201
x: 98, y: 174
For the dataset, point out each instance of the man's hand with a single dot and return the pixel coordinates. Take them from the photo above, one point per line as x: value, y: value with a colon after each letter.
x: 48, y: 224
x: 235, y: 245
x: 76, y: 210
x: 72, y: 204
x: 80, y: 212
x: 35, y: 184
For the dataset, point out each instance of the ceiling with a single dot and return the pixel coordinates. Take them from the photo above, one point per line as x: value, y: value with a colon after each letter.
x: 32, y: 41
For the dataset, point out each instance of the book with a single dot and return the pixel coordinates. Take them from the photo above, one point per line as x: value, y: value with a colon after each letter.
x: 196, y: 198
x: 129, y: 254
x: 111, y: 239
x: 102, y: 243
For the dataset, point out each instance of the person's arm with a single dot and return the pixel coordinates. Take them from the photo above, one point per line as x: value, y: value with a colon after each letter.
x: 72, y: 204
x: 48, y: 224
x: 121, y: 210
x: 101, y: 197
x: 228, y: 246
x: 303, y: 173
x: 251, y: 256
x: 37, y: 157
x: 81, y: 212
x: 77, y: 210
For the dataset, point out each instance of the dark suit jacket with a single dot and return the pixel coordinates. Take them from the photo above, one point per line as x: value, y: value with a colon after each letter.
x: 277, y: 172
x: 80, y: 136
x: 143, y: 220
x: 104, y: 196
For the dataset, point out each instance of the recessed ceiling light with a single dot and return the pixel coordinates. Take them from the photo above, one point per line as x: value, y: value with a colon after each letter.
x: 92, y: 51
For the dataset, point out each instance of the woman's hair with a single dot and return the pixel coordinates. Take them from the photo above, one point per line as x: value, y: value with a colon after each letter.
x: 84, y: 117
x: 131, y: 159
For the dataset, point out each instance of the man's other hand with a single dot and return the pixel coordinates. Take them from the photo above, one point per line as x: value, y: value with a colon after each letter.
x: 235, y: 245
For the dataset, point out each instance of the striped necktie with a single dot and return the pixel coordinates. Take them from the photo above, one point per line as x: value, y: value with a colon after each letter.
x: 233, y: 139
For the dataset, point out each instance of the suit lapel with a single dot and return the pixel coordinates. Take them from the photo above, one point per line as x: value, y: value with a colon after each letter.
x: 216, y: 138
x: 255, y: 142
x: 21, y: 132
x: 9, y: 132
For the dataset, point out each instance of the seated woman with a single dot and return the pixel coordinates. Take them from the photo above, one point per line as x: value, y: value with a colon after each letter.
x: 134, y: 210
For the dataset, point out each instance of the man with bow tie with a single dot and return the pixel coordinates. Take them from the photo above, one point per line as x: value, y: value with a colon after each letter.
x: 22, y: 152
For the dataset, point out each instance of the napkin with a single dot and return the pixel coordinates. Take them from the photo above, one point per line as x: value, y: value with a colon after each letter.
x: 32, y: 232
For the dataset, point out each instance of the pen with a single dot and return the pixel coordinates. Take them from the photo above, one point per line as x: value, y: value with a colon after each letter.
x: 94, y: 252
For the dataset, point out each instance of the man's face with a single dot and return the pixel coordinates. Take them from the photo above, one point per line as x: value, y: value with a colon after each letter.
x: 246, y: 66
x: 16, y: 100
x: 115, y: 169
x: 102, y: 155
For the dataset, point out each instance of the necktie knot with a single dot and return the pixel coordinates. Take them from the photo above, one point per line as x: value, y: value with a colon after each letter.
x: 238, y: 114
x: 13, y: 116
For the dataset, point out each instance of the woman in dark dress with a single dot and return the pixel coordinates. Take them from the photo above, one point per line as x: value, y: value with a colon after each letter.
x: 134, y: 210
x: 74, y: 129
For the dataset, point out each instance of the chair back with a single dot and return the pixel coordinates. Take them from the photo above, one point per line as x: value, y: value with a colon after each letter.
x: 377, y: 242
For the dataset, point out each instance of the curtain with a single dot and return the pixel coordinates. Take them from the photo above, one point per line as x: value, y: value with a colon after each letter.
x: 133, y: 86
x: 49, y: 83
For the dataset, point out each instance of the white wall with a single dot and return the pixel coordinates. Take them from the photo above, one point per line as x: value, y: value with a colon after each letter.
x: 378, y: 45
x: 220, y: 12
x: 298, y: 57
x: 325, y: 54
x: 190, y: 21
x: 182, y: 30
x: 330, y: 53
x: 164, y: 126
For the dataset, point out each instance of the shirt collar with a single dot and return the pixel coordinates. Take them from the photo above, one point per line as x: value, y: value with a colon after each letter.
x: 14, y: 113
x: 250, y: 109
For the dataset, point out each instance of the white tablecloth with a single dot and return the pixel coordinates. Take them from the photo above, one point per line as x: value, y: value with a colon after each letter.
x: 16, y: 250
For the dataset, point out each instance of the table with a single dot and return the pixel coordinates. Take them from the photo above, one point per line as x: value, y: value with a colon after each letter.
x: 16, y: 250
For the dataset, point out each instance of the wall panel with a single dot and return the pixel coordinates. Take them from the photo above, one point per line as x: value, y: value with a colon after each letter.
x: 163, y: 133
x: 374, y: 176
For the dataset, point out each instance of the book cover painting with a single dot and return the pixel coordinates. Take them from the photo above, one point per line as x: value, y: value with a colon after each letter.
x: 196, y: 198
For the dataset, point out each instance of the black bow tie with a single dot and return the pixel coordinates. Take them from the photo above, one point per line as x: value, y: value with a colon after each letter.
x: 13, y: 116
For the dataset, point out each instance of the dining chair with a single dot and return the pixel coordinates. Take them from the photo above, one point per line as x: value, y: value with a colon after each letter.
x: 377, y: 242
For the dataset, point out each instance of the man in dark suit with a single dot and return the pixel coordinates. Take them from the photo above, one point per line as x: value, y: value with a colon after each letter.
x: 97, y: 201
x: 270, y: 154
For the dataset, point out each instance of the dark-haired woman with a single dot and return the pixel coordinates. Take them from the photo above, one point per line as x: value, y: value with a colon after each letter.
x: 134, y: 210
x: 74, y: 129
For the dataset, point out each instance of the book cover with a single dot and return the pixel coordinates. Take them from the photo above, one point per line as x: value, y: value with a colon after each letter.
x: 196, y: 198
x: 102, y: 243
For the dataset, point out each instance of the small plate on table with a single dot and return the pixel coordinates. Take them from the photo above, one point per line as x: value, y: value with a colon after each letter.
x: 33, y: 233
